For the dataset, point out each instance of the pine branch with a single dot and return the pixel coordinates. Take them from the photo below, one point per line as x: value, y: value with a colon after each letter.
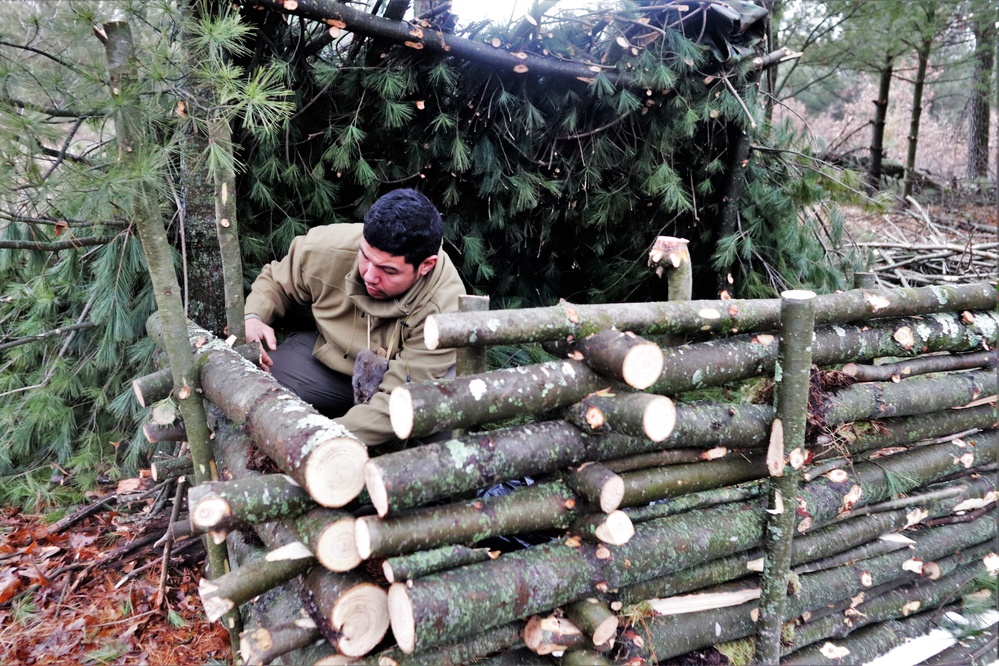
x: 54, y: 246
x: 48, y: 334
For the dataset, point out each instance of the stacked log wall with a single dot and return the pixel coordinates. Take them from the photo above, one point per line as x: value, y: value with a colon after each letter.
x: 644, y: 501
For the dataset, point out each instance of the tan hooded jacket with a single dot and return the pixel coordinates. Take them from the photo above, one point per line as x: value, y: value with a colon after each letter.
x: 320, y: 270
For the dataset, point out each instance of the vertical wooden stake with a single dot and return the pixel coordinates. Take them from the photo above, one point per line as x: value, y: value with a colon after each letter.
x: 785, y: 459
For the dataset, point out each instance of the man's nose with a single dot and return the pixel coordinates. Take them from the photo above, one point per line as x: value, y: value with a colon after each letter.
x: 370, y: 275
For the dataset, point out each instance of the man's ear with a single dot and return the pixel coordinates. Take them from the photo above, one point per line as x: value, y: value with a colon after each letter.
x: 426, y: 265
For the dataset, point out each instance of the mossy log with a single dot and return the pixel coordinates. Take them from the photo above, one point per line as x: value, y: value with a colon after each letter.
x: 158, y: 385
x: 474, y: 649
x: 614, y: 528
x: 920, y: 366
x: 915, y: 396
x: 320, y: 454
x: 264, y: 644
x: 420, y: 475
x: 717, y: 362
x: 220, y: 506
x: 228, y: 591
x: 667, y: 457
x: 654, y: 483
x: 564, y: 321
x: 622, y: 356
x: 424, y: 562
x: 165, y: 432
x: 522, y: 583
x: 699, y: 500
x: 550, y: 505
x: 594, y: 619
x: 171, y: 468
x: 644, y: 415
x: 550, y: 634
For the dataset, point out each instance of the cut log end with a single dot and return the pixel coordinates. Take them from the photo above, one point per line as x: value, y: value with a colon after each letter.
x: 209, y: 512
x: 605, y: 631
x: 401, y: 412
x: 214, y: 605
x: 334, y: 472
x: 431, y: 332
x: 362, y: 537
x: 797, y: 295
x: 611, y: 494
x: 616, y: 530
x: 361, y: 616
x: 642, y: 366
x: 401, y: 617
x: 137, y: 390
x: 659, y: 419
x: 375, y: 484
x: 336, y: 548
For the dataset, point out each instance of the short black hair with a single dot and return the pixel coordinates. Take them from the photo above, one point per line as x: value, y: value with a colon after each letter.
x: 405, y: 224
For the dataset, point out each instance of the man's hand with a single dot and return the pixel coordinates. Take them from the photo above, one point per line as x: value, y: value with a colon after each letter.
x: 258, y: 330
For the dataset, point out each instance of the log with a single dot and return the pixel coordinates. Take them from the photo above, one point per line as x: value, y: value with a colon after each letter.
x: 916, y: 396
x: 614, y: 528
x: 550, y: 505
x: 563, y: 321
x: 165, y: 432
x: 552, y: 634
x: 329, y: 534
x: 228, y: 591
x: 158, y: 385
x: 670, y: 254
x: 597, y: 622
x: 622, y: 356
x: 785, y: 458
x: 666, y: 457
x: 424, y: 562
x: 654, y: 483
x: 471, y: 650
x: 349, y: 608
x: 264, y: 644
x: 171, y: 468
x: 321, y: 455
x: 521, y: 584
x: 636, y: 414
x: 471, y: 360
x: 220, y: 506
x: 420, y: 475
x: 920, y: 366
x: 691, y: 501
x: 597, y: 485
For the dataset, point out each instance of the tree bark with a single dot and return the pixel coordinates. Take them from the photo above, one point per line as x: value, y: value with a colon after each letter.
x: 981, y: 86
x: 227, y: 230
x: 420, y: 475
x: 566, y: 320
x: 918, y: 85
x: 597, y: 485
x: 691, y: 501
x: 878, y: 125
x: 220, y: 506
x: 539, y: 507
x: 171, y: 468
x: 425, y: 562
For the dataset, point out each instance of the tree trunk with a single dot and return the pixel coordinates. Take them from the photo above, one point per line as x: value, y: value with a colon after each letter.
x: 566, y: 320
x: 981, y: 94
x: 923, y: 58
x: 738, y: 163
x: 227, y: 231
x: 878, y: 124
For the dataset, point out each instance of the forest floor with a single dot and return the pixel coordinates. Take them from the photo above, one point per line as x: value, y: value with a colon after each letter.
x: 96, y: 591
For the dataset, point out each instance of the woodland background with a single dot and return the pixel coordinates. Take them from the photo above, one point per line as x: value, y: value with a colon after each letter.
x: 550, y: 187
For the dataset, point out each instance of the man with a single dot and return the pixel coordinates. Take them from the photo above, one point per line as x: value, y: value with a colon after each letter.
x: 371, y: 287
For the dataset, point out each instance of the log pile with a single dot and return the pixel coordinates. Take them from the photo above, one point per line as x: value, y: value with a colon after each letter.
x: 599, y: 508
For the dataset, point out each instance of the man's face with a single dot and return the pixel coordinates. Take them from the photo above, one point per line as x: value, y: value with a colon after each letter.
x: 387, y: 275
